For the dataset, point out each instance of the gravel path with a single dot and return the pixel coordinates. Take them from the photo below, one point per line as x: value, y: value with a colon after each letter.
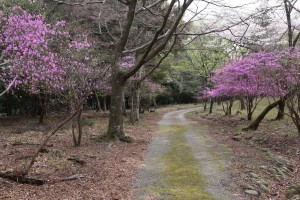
x: 183, y: 162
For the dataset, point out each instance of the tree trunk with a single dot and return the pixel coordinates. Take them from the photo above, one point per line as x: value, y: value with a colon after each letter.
x: 211, y: 106
x: 254, y: 125
x: 249, y: 108
x: 77, y: 127
x: 47, y: 104
x: 243, y: 106
x: 35, y: 106
x: 281, y: 106
x: 204, y: 106
x: 115, y: 126
x: 104, y: 103
x: 98, y: 104
x: 154, y: 102
x: 135, y: 105
x: 230, y: 107
x: 41, y: 108
x: 124, y: 104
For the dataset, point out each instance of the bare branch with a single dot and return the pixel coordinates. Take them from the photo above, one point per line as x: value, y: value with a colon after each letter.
x: 149, y: 6
x: 2, y: 64
x: 160, y: 61
x: 144, y: 45
x: 154, y: 40
x: 173, y: 28
x: 223, y: 5
x: 9, y: 86
x: 77, y: 3
x: 125, y: 32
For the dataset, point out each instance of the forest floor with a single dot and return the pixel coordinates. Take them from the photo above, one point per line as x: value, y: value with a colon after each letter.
x: 268, y: 157
x: 266, y: 160
x: 105, y: 170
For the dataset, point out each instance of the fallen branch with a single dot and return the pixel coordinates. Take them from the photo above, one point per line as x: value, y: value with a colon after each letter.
x: 32, y: 181
x: 20, y: 143
x: 26, y: 170
x: 73, y: 177
x: 21, y: 179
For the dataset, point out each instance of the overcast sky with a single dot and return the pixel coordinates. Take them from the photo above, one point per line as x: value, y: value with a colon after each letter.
x: 240, y: 6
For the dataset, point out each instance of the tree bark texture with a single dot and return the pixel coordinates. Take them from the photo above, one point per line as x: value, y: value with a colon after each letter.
x: 135, y: 105
x: 115, y: 127
x: 98, y: 104
x: 77, y: 127
x: 281, y: 106
x: 243, y: 106
x: 211, y: 106
x: 104, y: 103
x: 254, y: 124
x: 41, y: 108
x: 204, y: 105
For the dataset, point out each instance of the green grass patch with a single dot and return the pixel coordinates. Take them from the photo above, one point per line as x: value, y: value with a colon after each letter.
x: 181, y: 178
x: 87, y: 122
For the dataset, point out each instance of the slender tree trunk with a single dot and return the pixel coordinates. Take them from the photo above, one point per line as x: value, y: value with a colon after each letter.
x: 249, y: 116
x: 211, y: 106
x: 115, y: 127
x: 154, y: 102
x: 281, y: 106
x: 249, y: 108
x: 47, y: 104
x: 223, y: 108
x: 255, y: 123
x: 98, y: 104
x: 243, y: 106
x: 77, y: 129
x: 41, y: 108
x: 205, y: 105
x: 124, y: 104
x: 35, y: 106
x: 79, y: 126
x: 135, y: 105
x: 230, y: 107
x: 104, y: 103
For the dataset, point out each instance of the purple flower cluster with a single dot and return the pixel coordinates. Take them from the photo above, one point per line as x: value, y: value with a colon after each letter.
x: 25, y: 46
x: 260, y: 74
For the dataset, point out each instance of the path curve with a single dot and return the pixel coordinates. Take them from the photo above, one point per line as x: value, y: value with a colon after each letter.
x: 183, y: 162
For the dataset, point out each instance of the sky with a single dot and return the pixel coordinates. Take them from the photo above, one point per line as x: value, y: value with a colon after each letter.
x: 241, y: 6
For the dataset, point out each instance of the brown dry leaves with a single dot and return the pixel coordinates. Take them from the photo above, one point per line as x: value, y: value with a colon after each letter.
x: 109, y: 170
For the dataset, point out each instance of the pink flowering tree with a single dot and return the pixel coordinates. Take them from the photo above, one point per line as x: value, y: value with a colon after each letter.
x: 42, y: 58
x: 82, y: 75
x: 26, y: 58
x: 257, y: 76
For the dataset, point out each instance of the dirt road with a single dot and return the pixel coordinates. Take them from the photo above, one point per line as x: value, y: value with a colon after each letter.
x: 183, y: 162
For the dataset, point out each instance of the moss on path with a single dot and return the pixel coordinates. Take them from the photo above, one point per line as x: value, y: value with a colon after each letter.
x: 180, y: 170
x: 181, y: 163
